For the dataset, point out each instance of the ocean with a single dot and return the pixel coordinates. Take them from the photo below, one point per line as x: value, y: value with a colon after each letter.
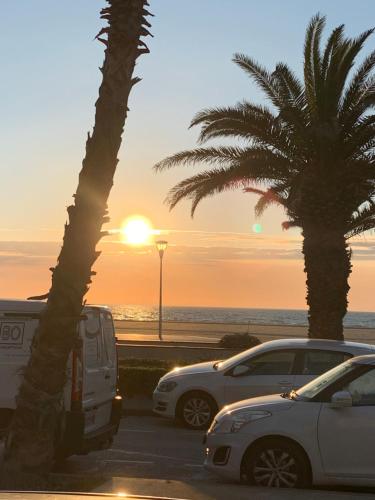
x: 232, y: 315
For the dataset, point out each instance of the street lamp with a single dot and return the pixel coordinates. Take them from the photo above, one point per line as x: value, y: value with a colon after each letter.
x: 161, y: 245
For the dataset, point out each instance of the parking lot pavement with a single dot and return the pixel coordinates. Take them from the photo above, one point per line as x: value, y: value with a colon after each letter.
x: 206, y: 490
x: 148, y: 447
x: 154, y: 456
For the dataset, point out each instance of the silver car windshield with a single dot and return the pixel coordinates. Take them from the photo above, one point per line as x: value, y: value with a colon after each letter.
x: 310, y: 390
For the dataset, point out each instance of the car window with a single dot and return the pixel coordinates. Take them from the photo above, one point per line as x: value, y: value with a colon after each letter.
x: 272, y: 363
x: 316, y: 362
x: 362, y: 389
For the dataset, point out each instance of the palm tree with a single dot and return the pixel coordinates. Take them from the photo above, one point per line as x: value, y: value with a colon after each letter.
x: 311, y: 150
x: 30, y: 442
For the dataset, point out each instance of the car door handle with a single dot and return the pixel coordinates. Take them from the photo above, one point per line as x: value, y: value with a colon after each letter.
x: 107, y: 376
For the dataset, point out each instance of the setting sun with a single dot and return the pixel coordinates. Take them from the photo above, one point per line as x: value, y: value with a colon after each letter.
x: 136, y: 230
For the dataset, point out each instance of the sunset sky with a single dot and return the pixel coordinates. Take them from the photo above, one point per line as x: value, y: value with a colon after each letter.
x: 48, y: 87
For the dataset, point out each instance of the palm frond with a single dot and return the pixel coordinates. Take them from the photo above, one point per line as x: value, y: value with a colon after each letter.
x: 357, y: 88
x: 341, y: 63
x: 334, y: 40
x: 362, y: 220
x: 208, y: 183
x: 287, y: 224
x: 270, y: 197
x: 360, y: 141
x: 253, y: 190
x: 253, y: 169
x: 260, y: 75
x: 255, y: 124
x: 244, y: 120
x: 294, y: 113
x: 289, y: 84
x: 312, y: 74
x: 212, y: 156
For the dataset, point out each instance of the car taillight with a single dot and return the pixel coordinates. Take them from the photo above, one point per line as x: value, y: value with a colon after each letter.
x: 77, y: 378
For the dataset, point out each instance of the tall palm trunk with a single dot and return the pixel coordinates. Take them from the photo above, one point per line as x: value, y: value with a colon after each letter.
x: 30, y: 442
x: 327, y: 265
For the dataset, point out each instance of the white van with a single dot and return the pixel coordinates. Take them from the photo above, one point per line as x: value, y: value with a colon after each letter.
x: 92, y: 403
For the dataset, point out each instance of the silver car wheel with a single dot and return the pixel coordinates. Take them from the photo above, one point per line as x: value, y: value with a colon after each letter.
x: 275, y: 467
x: 197, y: 412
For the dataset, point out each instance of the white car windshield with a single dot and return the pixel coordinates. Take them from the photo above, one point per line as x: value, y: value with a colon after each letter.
x: 310, y: 390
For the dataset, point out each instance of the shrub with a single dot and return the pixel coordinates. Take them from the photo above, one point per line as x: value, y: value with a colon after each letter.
x: 150, y: 363
x: 239, y: 340
x: 139, y: 380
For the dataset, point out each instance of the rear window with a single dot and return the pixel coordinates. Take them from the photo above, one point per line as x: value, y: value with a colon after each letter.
x: 92, y: 341
x: 317, y: 362
x: 108, y: 336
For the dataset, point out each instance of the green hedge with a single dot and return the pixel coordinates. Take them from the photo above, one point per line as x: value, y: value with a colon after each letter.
x: 150, y: 363
x: 139, y: 380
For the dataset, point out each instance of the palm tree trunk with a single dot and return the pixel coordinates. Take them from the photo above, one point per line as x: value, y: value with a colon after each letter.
x: 327, y: 265
x: 30, y: 442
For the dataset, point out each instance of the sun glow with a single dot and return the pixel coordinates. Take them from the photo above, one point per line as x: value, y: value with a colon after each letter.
x: 137, y: 230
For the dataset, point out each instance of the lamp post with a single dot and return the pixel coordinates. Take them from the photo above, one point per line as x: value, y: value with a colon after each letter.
x: 161, y: 247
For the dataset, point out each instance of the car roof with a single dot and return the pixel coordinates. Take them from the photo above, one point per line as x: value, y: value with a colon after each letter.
x: 324, y: 344
x: 34, y: 306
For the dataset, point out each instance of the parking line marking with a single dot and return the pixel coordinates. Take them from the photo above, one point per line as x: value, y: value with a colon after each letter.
x: 134, y: 430
x: 146, y: 454
x: 130, y: 461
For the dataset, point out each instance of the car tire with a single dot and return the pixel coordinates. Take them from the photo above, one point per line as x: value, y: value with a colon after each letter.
x: 276, y: 463
x: 196, y: 410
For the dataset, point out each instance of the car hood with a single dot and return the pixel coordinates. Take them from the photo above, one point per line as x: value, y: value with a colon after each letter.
x: 274, y: 402
x: 199, y: 368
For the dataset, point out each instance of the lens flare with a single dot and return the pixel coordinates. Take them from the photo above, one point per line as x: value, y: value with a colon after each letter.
x: 257, y: 228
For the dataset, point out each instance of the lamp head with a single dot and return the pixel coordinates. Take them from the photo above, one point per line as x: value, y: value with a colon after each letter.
x: 161, y: 245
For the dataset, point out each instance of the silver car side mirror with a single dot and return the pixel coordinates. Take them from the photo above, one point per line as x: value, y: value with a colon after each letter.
x: 341, y: 399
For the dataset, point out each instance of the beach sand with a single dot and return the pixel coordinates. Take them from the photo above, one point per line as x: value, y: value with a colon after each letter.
x: 212, y: 332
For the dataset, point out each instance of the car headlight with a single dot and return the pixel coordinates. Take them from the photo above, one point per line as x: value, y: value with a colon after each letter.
x: 233, y: 422
x: 167, y: 386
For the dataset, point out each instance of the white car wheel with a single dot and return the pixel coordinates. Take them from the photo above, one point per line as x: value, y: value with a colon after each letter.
x: 276, y: 463
x: 197, y: 411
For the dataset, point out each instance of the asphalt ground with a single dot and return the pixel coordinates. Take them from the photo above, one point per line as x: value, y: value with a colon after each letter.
x: 154, y: 456
x: 146, y: 447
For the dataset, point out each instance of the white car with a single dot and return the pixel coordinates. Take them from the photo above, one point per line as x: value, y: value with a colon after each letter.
x: 195, y: 393
x: 322, y: 433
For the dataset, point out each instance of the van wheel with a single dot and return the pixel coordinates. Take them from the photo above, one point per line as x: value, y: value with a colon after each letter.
x: 197, y: 410
x: 276, y: 463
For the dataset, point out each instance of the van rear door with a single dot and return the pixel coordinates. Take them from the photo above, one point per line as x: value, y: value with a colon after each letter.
x: 96, y: 398
x: 110, y: 355
x: 16, y: 336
